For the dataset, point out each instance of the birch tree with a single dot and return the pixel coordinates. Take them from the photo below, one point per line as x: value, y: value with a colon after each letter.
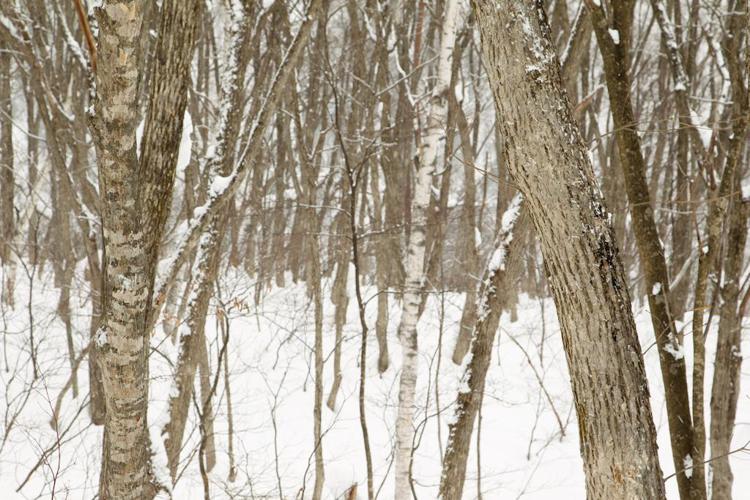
x: 415, y: 270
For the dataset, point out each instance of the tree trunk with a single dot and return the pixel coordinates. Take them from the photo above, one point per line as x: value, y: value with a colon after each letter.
x: 414, y: 282
x: 134, y: 206
x: 499, y: 280
x: 617, y: 435
x: 726, y: 381
x: 671, y: 356
x: 728, y: 361
x: 7, y: 182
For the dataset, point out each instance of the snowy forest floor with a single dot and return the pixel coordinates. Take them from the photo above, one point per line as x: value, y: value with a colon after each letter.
x: 529, y: 436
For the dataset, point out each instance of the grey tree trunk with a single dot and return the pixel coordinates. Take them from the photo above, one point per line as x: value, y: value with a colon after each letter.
x: 617, y: 435
x: 674, y: 374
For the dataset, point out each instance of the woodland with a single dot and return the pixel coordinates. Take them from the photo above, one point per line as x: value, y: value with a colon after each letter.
x: 360, y: 249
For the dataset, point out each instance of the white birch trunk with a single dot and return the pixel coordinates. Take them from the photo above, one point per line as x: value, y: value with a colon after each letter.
x: 434, y: 135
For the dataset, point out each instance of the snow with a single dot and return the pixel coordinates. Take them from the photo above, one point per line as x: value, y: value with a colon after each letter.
x: 101, y: 337
x: 269, y: 349
x: 656, y: 289
x: 139, y: 137
x: 497, y: 261
x: 615, y: 36
x: 688, y: 463
x: 676, y: 352
x: 510, y: 215
x: 183, y: 156
x: 199, y: 212
x: 219, y: 184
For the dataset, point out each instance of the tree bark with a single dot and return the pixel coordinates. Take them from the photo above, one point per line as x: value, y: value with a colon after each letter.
x: 129, y: 248
x: 414, y: 282
x: 617, y: 435
x: 499, y: 280
x: 671, y: 357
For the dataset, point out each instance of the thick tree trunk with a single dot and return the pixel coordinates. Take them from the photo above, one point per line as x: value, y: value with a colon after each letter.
x: 671, y: 356
x: 618, y: 439
x: 134, y: 206
x: 414, y: 282
x: 121, y: 339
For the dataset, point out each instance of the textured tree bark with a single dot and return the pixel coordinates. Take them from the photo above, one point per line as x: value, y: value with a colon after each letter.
x: 415, y: 272
x: 497, y: 285
x: 671, y: 357
x: 121, y: 339
x: 726, y: 381
x: 134, y: 208
x: 618, y: 439
x: 7, y: 182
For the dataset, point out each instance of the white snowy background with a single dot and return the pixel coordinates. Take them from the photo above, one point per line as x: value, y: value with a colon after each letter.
x: 529, y: 439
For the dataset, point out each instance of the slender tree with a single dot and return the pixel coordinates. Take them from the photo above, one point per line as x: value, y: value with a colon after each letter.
x: 415, y: 270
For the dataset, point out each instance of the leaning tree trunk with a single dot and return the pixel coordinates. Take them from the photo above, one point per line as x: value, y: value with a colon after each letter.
x: 192, y: 335
x: 498, y: 283
x: 415, y: 255
x: 617, y: 435
x: 671, y: 357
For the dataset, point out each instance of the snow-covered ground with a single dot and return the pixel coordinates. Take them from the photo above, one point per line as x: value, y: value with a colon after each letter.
x: 529, y: 447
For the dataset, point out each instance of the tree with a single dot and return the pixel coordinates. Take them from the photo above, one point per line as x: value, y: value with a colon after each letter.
x: 415, y: 269
x: 617, y: 435
x: 615, y: 61
x: 135, y: 192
